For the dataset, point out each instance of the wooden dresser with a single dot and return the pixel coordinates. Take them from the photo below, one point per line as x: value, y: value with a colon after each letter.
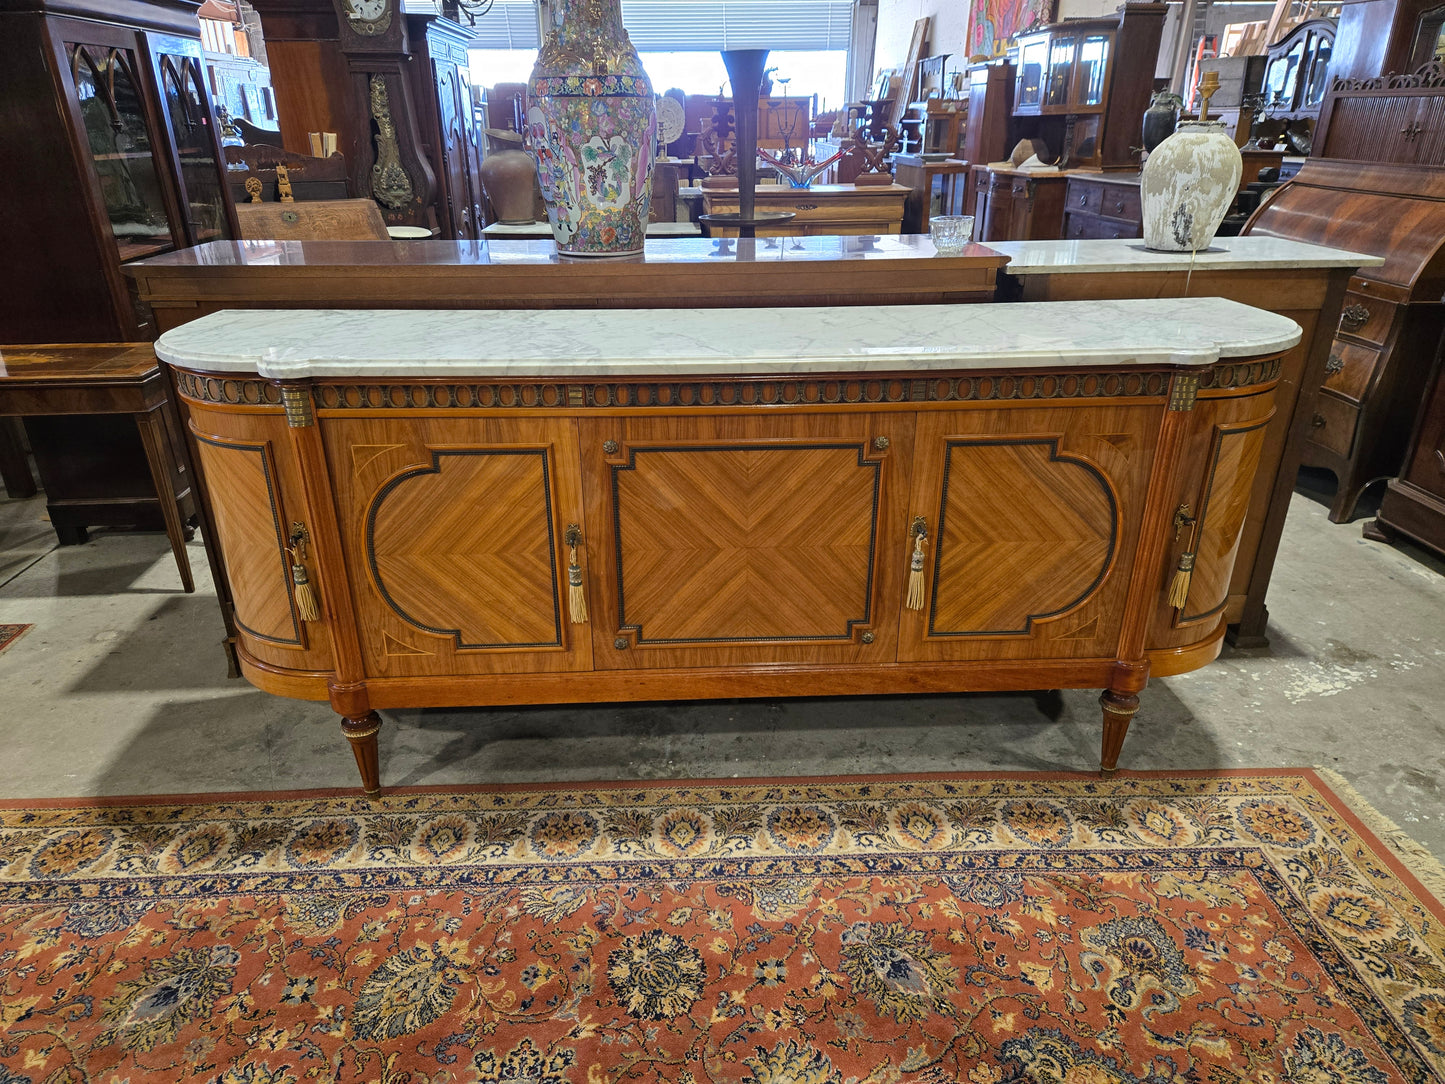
x: 1012, y: 205
x: 843, y: 209
x: 1394, y: 118
x: 557, y: 507
x: 1102, y: 205
x: 1392, y: 318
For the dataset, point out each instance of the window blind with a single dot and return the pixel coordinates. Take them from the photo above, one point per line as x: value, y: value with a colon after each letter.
x: 692, y: 25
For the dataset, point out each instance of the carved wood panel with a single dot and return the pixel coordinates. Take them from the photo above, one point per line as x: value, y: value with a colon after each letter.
x: 455, y: 529
x: 1030, y: 515
x: 746, y: 539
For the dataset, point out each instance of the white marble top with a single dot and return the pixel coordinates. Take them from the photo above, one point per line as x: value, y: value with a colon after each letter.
x: 554, y: 344
x: 1226, y: 253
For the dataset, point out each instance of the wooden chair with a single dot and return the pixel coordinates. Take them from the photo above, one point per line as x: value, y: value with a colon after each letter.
x: 316, y: 220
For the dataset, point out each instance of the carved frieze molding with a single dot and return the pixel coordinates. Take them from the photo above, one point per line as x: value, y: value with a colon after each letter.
x: 1425, y: 76
x: 944, y: 388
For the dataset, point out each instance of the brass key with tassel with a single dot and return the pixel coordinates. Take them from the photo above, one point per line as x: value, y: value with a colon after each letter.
x: 305, y: 594
x: 1184, y: 571
x: 919, y: 530
x: 576, y: 595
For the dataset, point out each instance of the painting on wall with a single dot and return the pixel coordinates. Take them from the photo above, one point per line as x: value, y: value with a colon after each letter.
x: 992, y: 23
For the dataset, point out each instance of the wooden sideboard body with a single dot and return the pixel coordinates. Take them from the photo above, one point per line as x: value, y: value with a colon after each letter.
x: 737, y: 533
x: 823, y: 209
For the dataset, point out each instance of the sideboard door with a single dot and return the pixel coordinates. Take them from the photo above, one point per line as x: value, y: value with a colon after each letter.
x: 1031, y: 515
x: 724, y: 541
x: 455, y: 530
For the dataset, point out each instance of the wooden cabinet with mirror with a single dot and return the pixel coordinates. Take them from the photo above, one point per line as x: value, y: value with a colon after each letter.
x: 1083, y: 85
x: 111, y: 156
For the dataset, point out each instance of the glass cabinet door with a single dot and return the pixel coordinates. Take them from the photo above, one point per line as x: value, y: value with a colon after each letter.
x: 1061, y: 71
x: 1032, y: 56
x: 1093, y: 67
x: 120, y: 148
x: 1318, y: 70
x: 188, y: 115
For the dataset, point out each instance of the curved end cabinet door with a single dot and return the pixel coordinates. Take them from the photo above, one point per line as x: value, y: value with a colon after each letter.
x: 747, y: 540
x: 454, y: 531
x: 1033, y: 517
x: 255, y: 495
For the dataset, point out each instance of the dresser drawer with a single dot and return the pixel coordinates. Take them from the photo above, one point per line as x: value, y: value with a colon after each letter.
x: 1350, y: 369
x: 1080, y: 227
x: 1333, y: 424
x: 1365, y: 317
x: 1083, y: 197
x: 1120, y: 201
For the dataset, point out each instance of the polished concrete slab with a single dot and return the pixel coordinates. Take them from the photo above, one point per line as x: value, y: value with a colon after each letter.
x: 121, y: 688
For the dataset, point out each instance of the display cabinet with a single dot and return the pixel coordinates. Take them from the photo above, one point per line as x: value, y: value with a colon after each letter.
x: 990, y: 104
x: 111, y: 155
x: 1082, y: 85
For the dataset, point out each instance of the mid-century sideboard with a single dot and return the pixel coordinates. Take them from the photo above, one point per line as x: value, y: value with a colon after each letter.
x: 478, y: 508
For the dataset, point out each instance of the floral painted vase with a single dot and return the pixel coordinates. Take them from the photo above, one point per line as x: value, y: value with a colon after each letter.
x: 592, y: 128
x: 1187, y: 187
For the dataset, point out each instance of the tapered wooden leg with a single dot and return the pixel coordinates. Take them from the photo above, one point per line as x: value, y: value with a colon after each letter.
x: 1119, y: 708
x: 361, y: 732
x: 158, y: 456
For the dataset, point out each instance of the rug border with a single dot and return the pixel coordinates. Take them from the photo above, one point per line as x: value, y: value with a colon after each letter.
x: 23, y: 626
x: 1374, y: 829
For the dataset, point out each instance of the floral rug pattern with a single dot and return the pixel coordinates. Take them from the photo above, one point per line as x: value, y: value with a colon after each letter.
x: 1144, y: 930
x: 10, y: 633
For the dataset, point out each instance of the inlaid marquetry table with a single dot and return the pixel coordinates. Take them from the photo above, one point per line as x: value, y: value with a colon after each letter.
x: 481, y: 508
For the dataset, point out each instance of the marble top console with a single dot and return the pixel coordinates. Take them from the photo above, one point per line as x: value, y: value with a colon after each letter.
x: 299, y: 344
x: 1121, y: 256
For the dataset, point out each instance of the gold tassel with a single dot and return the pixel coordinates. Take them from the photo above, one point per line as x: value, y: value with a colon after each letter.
x: 915, y: 567
x: 306, y: 602
x: 1179, y: 588
x: 576, y: 597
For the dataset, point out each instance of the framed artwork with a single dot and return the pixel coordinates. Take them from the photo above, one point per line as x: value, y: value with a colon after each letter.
x: 991, y: 23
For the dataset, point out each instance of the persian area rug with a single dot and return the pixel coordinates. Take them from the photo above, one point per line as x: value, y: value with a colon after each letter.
x: 1182, y: 929
x: 10, y: 633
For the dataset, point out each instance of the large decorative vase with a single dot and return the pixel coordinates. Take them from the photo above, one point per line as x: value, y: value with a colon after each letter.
x: 592, y: 128
x: 1188, y: 185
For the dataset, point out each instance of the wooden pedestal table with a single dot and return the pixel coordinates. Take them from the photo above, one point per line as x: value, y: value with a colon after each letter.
x: 462, y: 508
x: 106, y: 378
x: 1301, y: 281
x: 672, y: 273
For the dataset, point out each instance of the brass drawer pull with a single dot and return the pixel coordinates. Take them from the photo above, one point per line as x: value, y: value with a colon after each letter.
x: 1318, y: 421
x: 576, y: 593
x: 1354, y: 317
x: 1336, y: 364
x: 919, y: 531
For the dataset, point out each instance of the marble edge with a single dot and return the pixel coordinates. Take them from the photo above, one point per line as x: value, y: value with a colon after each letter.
x: 1134, y: 259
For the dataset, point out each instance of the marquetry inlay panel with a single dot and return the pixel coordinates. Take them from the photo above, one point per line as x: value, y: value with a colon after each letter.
x: 745, y: 543
x: 464, y: 547
x: 1234, y: 457
x: 1024, y: 533
x: 241, y: 477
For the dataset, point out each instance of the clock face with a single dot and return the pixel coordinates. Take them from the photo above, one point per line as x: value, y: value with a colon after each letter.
x: 368, y: 16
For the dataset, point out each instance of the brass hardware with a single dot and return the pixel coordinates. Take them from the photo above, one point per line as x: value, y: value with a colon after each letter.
x: 867, y: 637
x: 620, y: 643
x: 1208, y: 85
x: 919, y: 532
x: 1335, y: 364
x: 576, y: 595
x: 1184, y: 391
x: 1354, y: 317
x: 1318, y: 421
x: 609, y: 447
x: 575, y: 396
x: 306, y: 605
x: 880, y: 443
x: 920, y: 527
x: 573, y: 536
x: 1410, y: 132
x: 296, y: 398
x: 1083, y: 199
x: 298, y: 538
x: 1183, y: 517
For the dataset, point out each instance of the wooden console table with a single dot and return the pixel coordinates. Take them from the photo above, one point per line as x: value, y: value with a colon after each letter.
x: 1301, y: 281
x: 105, y: 378
x: 557, y: 507
x: 674, y: 273
x: 839, y: 209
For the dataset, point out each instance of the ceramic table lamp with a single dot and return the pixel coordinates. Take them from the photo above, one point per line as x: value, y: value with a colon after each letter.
x: 1189, y: 183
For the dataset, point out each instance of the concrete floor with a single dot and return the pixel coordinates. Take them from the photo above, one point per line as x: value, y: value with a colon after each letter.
x: 121, y: 689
